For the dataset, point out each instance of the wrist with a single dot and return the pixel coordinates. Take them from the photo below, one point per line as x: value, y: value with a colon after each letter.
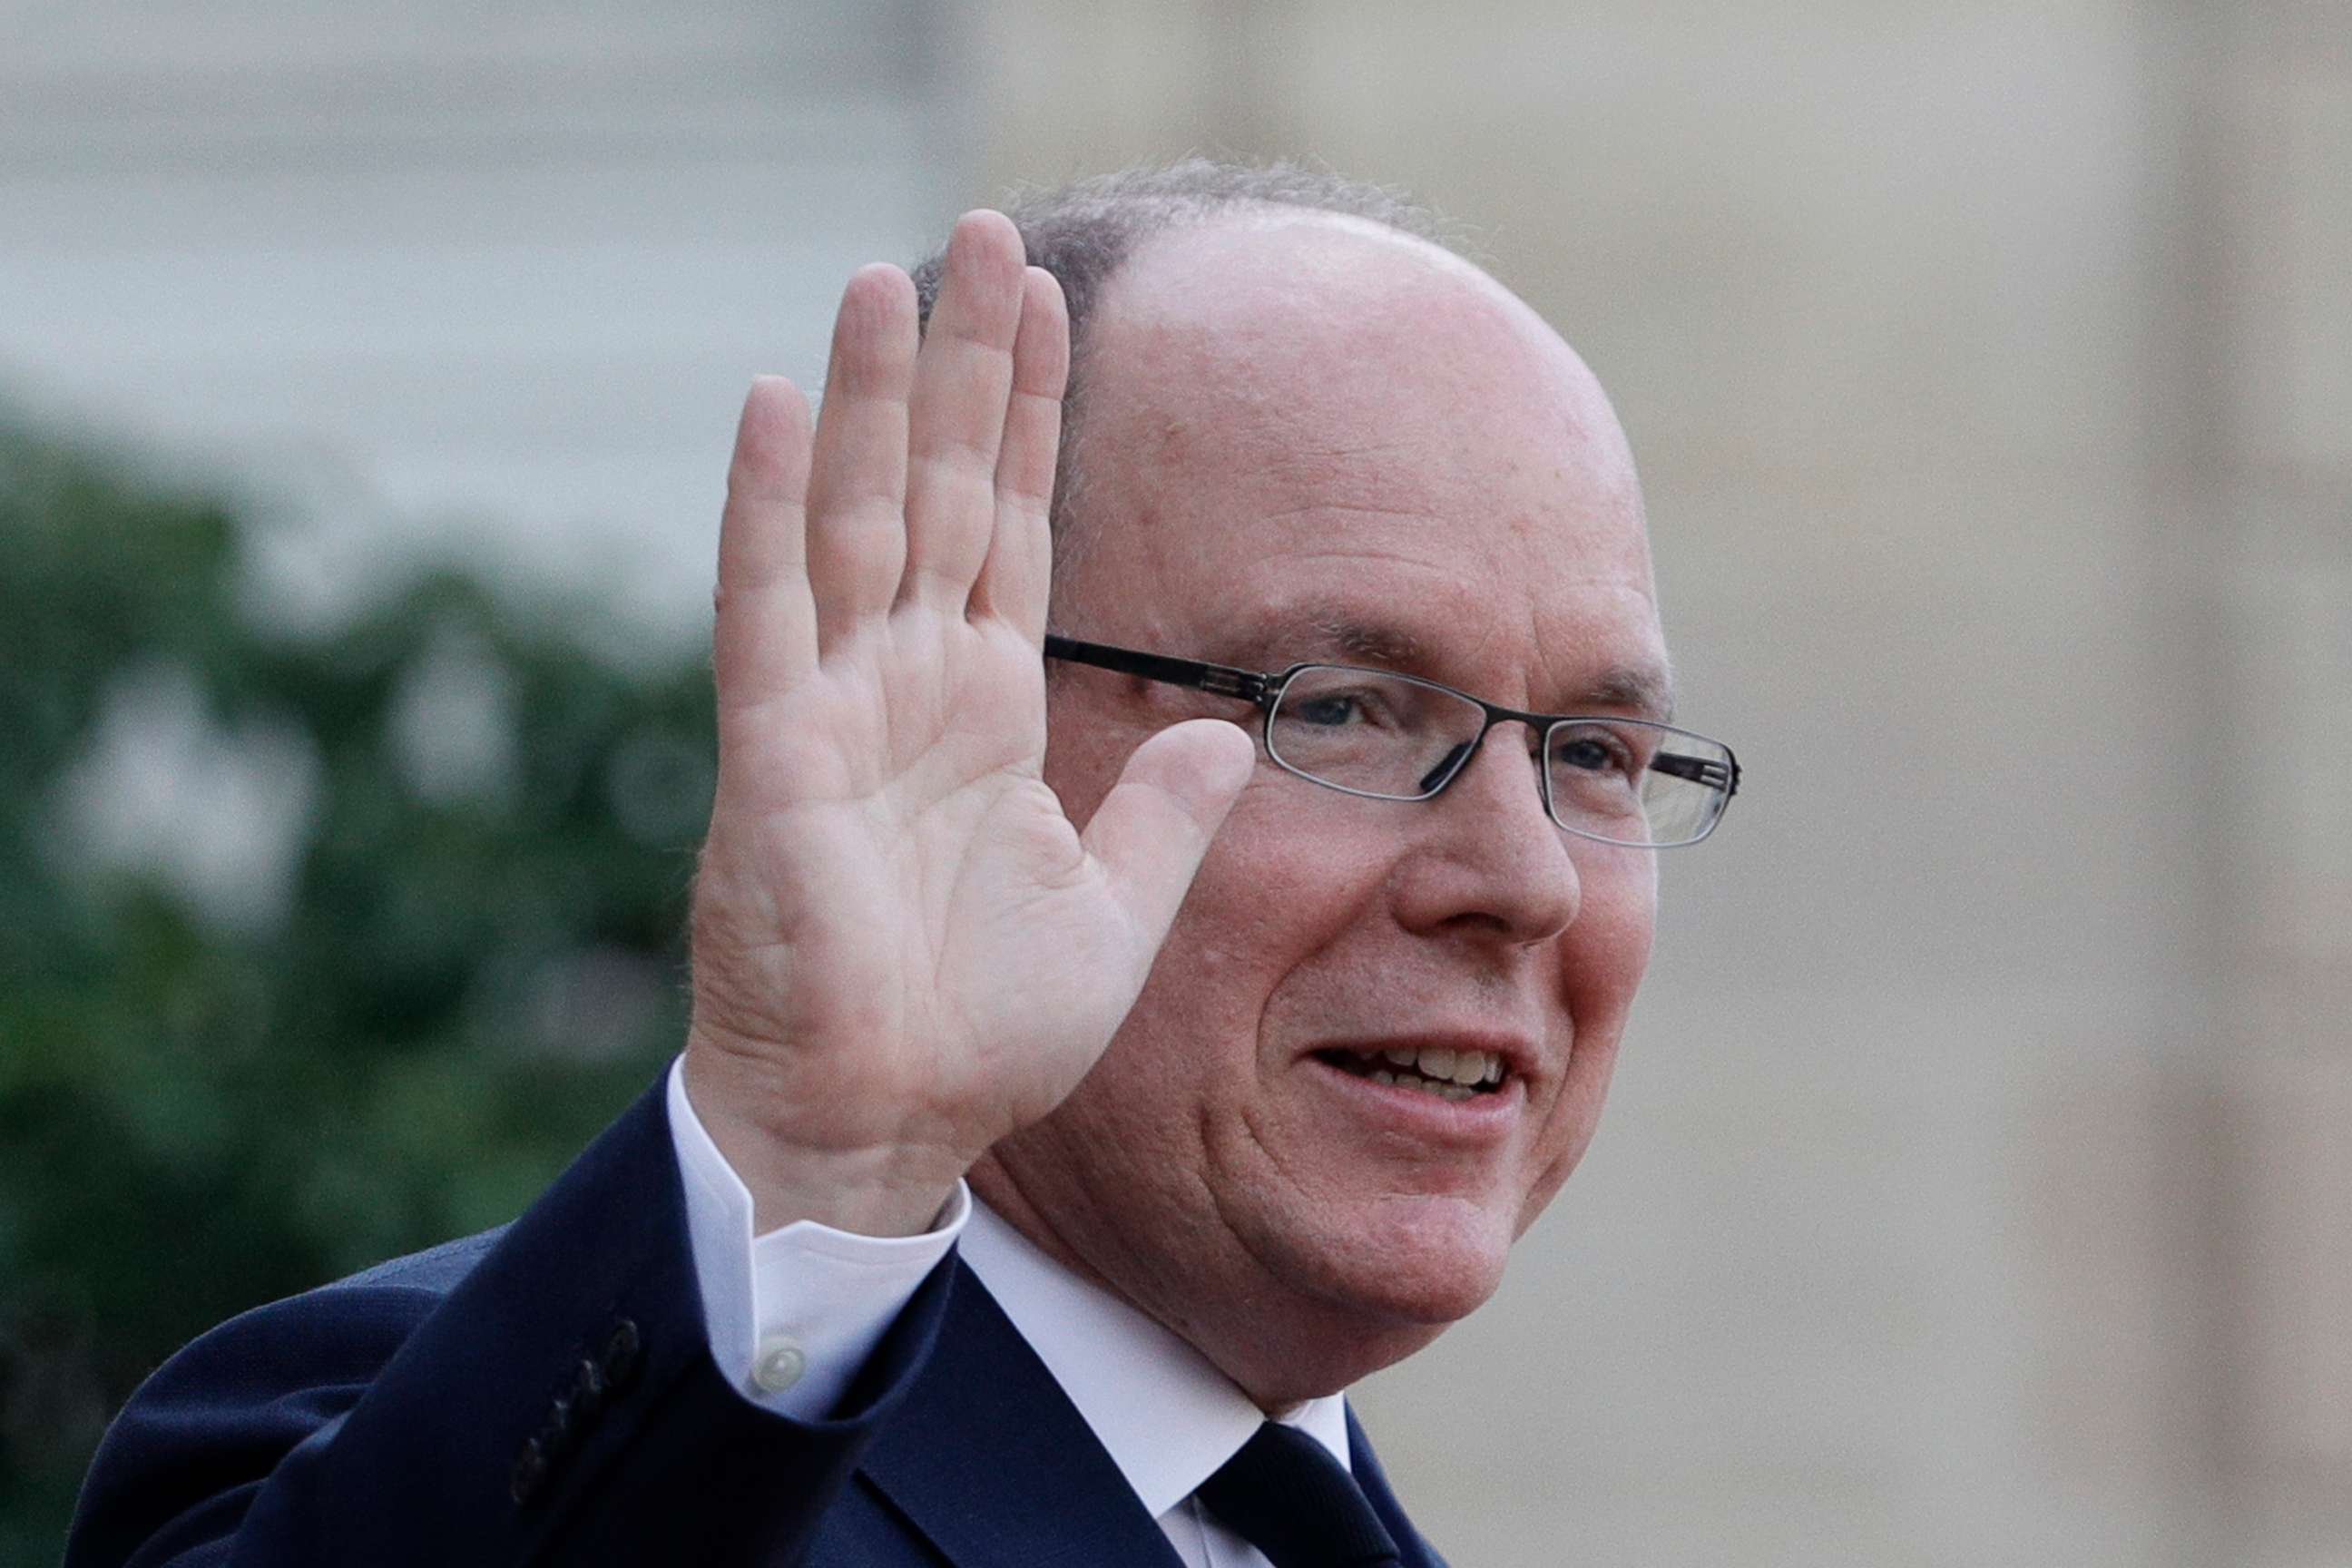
x: 877, y: 1189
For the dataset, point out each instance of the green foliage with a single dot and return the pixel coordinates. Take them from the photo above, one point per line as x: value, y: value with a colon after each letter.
x: 226, y: 1080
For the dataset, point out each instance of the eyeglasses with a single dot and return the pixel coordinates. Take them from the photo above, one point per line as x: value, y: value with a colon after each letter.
x: 1389, y: 736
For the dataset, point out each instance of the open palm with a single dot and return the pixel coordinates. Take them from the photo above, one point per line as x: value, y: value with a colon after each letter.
x: 903, y: 949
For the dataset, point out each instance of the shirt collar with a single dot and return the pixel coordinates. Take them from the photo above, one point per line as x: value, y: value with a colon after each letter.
x: 1165, y: 1414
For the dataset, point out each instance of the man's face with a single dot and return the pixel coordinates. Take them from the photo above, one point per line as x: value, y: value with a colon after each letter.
x: 1309, y: 440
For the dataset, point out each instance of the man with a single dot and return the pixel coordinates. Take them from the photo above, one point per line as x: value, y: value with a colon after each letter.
x: 1256, y: 1080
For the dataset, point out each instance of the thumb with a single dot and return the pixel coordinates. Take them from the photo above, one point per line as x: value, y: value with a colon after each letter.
x: 1152, y: 830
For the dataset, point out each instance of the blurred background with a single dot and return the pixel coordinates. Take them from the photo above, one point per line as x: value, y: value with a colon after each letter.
x: 1978, y: 1184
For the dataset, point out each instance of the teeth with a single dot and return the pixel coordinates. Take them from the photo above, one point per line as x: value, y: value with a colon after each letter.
x: 1469, y: 1068
x: 1449, y: 1074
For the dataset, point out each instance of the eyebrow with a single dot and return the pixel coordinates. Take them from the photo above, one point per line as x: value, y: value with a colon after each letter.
x: 1358, y: 639
x: 1643, y: 689
x: 1330, y: 632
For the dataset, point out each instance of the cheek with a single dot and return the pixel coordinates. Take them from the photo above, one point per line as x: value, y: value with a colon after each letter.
x: 1605, y: 953
x: 1280, y: 888
x: 1084, y: 754
x: 1270, y: 897
x: 1574, y: 1120
x: 1181, y: 1075
x: 1602, y: 959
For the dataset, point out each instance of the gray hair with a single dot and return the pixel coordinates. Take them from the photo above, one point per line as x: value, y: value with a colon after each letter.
x: 1083, y: 233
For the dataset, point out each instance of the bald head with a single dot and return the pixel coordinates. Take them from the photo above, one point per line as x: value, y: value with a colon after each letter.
x: 1338, y: 353
x: 1316, y: 321
x: 1084, y: 232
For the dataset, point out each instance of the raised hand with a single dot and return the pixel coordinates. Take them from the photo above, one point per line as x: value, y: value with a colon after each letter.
x: 903, y: 949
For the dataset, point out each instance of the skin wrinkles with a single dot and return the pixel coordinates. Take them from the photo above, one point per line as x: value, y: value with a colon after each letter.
x: 1342, y: 509
x: 1210, y: 1169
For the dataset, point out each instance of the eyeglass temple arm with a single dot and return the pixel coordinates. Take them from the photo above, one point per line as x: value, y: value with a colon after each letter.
x: 1699, y: 770
x: 1248, y: 685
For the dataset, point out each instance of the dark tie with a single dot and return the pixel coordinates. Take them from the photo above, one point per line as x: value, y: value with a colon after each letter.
x: 1292, y: 1500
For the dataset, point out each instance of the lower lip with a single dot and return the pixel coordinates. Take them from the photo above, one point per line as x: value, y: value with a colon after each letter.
x: 1481, y: 1119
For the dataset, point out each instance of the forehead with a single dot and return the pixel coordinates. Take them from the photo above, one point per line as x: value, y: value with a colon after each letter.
x: 1309, y: 438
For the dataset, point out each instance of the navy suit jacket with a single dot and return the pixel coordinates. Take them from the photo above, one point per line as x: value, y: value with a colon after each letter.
x: 544, y: 1394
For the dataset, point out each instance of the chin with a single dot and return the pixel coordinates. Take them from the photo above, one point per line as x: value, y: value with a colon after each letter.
x: 1411, y: 1263
x: 1363, y: 1297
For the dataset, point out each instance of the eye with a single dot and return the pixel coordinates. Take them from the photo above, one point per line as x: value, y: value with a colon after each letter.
x: 1594, y: 750
x: 1327, y: 712
x: 1338, y: 708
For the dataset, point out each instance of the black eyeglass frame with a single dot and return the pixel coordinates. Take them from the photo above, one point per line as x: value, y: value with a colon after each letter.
x: 1264, y: 689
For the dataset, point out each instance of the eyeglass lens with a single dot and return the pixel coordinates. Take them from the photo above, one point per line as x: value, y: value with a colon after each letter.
x: 1392, y: 736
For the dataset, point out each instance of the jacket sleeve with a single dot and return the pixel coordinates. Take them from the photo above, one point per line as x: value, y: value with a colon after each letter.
x: 544, y: 1394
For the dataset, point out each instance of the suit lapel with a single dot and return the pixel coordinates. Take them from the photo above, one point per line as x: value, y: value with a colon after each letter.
x: 989, y: 1459
x: 1418, y: 1553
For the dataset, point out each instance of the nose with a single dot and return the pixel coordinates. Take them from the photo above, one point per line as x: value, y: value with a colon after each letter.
x: 1486, y: 854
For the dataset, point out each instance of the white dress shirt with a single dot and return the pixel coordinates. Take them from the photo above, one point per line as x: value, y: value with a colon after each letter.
x: 793, y: 1314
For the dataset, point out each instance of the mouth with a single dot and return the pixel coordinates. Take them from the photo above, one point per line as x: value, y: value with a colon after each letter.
x: 1439, y: 1071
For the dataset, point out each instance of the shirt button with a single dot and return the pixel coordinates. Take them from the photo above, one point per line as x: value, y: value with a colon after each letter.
x: 781, y: 1364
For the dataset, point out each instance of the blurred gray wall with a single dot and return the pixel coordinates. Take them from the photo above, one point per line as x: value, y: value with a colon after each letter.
x: 1978, y: 1186
x: 453, y: 279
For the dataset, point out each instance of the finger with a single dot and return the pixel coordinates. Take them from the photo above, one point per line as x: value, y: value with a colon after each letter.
x: 857, y: 479
x: 1152, y: 830
x: 1017, y: 574
x: 763, y: 637
x: 956, y: 415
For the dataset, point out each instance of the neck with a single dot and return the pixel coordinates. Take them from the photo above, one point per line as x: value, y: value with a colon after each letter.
x: 1279, y: 1349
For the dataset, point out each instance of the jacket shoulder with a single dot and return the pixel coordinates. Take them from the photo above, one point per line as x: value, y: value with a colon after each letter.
x: 540, y: 1392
